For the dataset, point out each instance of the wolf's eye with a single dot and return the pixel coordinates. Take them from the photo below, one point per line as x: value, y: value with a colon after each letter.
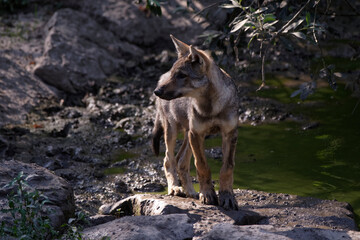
x: 181, y: 75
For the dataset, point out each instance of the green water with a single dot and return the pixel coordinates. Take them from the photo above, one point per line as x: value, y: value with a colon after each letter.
x: 322, y: 162
x: 119, y: 156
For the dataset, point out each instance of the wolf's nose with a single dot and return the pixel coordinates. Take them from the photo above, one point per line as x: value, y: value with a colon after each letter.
x: 158, y: 92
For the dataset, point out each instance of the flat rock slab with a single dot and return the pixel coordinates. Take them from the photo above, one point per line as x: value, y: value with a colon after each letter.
x: 256, y: 208
x: 58, y: 191
x: 226, y: 231
x: 173, y: 226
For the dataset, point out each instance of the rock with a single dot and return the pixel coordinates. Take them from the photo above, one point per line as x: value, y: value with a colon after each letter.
x: 173, y: 226
x: 122, y: 17
x: 291, y: 210
x: 224, y: 231
x: 140, y: 206
x: 59, y: 192
x: 63, y: 132
x: 214, y: 152
x: 151, y: 187
x: 70, y: 113
x: 79, y: 54
x: 121, y: 186
x: 256, y: 208
x: 67, y: 173
x: 3, y: 146
x: 100, y: 219
x: 20, y: 91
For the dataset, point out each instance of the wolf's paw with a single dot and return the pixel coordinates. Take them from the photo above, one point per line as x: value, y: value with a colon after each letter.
x: 177, y: 191
x: 227, y: 200
x: 209, y: 197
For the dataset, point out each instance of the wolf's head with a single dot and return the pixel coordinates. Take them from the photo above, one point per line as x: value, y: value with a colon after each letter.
x: 188, y: 77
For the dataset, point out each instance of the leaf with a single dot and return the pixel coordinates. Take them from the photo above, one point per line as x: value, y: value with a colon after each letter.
x: 260, y: 10
x: 11, y: 204
x: 269, y: 18
x: 338, y: 74
x: 228, y: 6
x: 331, y: 67
x: 154, y: 7
x: 305, y: 90
x: 268, y: 25
x: 235, y: 3
x: 293, y: 25
x: 248, y: 46
x: 316, y: 3
x: 323, y: 73
x: 299, y: 35
x: 283, y: 4
x: 238, y: 25
x: 295, y: 93
x: 307, y: 18
x: 71, y: 220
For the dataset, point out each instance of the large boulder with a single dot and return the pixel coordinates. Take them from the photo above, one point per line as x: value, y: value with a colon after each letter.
x: 122, y: 17
x: 161, y: 227
x: 56, y: 189
x: 224, y: 231
x: 20, y: 91
x: 79, y: 54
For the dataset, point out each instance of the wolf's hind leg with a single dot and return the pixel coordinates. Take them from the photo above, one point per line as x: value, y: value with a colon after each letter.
x: 174, y: 187
x: 183, y: 166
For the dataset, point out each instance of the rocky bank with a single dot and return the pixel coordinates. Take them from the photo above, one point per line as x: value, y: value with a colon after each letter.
x: 261, y: 216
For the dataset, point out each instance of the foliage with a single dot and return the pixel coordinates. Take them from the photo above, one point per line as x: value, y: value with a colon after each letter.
x: 26, y: 210
x: 28, y: 219
x: 268, y: 25
x: 273, y: 24
x: 153, y: 6
x: 12, y: 5
x: 73, y: 227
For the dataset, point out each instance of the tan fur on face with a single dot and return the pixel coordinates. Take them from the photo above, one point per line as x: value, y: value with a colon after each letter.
x: 198, y: 98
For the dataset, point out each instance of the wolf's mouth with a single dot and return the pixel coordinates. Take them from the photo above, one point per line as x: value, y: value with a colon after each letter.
x: 167, y: 95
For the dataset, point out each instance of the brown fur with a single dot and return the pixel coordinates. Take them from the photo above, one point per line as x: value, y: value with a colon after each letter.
x: 198, y: 98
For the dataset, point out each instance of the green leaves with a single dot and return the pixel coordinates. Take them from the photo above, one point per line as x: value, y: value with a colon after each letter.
x: 154, y: 7
x: 258, y: 22
x: 26, y: 209
x: 269, y: 18
x: 307, y: 18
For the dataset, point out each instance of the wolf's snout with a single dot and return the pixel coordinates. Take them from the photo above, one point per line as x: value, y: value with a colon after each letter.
x: 159, y: 92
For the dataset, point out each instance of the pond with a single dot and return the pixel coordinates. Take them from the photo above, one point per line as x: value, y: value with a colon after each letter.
x: 321, y: 162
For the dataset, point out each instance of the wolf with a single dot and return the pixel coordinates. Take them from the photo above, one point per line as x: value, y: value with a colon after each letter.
x: 198, y: 98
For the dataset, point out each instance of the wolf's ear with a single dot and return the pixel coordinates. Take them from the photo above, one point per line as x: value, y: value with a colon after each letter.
x: 199, y: 57
x: 181, y: 48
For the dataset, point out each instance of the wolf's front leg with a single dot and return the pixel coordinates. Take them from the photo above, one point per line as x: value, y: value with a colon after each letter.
x: 183, y: 166
x: 226, y: 195
x: 174, y: 187
x: 207, y: 193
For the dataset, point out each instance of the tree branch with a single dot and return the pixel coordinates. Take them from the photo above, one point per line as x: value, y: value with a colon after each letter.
x: 207, y: 7
x: 272, y: 39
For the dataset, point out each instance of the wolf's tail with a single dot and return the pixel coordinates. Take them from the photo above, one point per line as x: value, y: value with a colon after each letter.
x: 158, y: 131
